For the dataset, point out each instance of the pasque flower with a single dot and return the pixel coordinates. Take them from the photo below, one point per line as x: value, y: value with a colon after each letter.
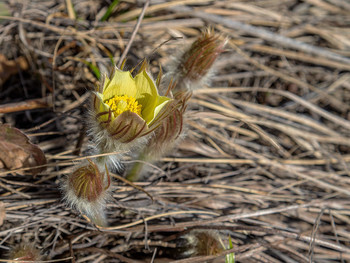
x: 127, y: 106
x: 190, y: 69
x: 125, y: 110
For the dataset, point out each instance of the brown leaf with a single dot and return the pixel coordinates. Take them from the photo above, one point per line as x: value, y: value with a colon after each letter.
x: 16, y: 151
x: 2, y: 213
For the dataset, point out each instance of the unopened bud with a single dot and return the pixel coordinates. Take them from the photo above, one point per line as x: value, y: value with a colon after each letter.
x: 87, y: 182
x: 86, y: 190
x: 24, y: 253
x: 199, y: 243
x: 192, y: 69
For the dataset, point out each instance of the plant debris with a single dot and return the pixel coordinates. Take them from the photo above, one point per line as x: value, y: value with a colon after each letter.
x: 16, y: 151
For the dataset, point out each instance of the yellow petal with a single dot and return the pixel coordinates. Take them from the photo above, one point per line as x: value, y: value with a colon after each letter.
x: 147, y: 95
x: 106, y: 81
x: 146, y: 89
x: 162, y: 101
x: 101, y: 107
x: 122, y: 83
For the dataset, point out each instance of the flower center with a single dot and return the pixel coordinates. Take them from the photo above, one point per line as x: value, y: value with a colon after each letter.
x: 119, y: 104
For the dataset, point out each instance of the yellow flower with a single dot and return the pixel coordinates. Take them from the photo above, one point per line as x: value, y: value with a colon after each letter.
x: 128, y: 107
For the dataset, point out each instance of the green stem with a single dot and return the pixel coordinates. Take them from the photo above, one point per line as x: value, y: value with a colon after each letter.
x: 135, y: 172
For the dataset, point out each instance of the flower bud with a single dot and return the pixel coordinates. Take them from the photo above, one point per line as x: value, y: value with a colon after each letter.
x: 86, y: 190
x: 168, y: 132
x: 24, y: 253
x: 199, y: 243
x: 192, y: 69
x: 164, y: 138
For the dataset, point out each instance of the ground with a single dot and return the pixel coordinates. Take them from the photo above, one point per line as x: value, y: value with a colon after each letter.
x: 266, y: 156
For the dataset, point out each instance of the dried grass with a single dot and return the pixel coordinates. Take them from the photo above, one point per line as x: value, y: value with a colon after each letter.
x: 267, y: 154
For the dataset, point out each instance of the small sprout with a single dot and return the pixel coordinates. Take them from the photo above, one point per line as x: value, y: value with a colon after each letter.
x: 230, y: 258
x: 110, y: 10
x: 86, y: 189
x: 93, y: 68
x: 24, y: 253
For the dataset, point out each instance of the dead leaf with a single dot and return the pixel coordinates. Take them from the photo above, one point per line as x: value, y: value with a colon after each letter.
x: 2, y: 213
x: 16, y: 151
x: 11, y: 67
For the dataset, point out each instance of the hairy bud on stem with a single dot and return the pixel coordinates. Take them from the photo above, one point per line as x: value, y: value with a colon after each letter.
x: 200, y: 243
x: 192, y: 69
x: 86, y: 190
x: 24, y: 253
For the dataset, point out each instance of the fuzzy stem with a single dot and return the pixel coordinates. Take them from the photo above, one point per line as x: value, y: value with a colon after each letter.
x: 97, y: 217
x: 136, y: 170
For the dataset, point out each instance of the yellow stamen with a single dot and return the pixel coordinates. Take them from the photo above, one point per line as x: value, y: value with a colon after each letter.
x: 119, y: 104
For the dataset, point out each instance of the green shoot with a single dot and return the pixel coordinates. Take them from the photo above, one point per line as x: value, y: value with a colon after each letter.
x: 93, y: 68
x: 230, y: 258
x: 110, y: 10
